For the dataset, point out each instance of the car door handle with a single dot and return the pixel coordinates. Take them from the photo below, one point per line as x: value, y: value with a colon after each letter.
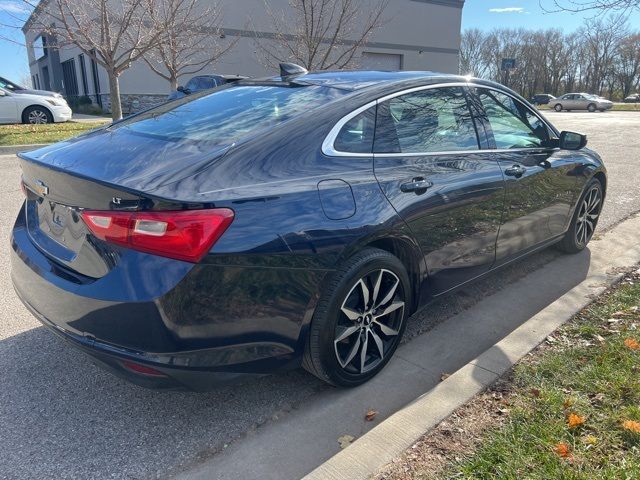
x: 515, y: 171
x: 416, y: 185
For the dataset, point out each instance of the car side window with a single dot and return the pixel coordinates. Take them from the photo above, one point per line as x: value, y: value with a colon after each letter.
x: 356, y: 136
x: 431, y: 120
x: 513, y: 124
x: 192, y: 84
x: 209, y: 83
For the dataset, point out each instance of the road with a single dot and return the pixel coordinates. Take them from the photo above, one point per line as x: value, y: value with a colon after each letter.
x: 62, y: 417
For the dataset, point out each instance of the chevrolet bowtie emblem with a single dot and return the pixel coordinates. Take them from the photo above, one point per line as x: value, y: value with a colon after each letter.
x: 41, y: 188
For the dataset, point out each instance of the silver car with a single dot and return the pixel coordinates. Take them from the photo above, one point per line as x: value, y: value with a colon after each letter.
x: 580, y: 101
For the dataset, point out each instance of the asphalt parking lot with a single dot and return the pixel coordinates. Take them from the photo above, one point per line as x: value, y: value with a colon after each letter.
x: 62, y: 417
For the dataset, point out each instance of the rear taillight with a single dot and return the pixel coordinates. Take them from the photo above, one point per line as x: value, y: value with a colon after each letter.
x: 184, y: 235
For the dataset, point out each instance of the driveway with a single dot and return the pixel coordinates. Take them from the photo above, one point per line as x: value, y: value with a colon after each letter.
x: 61, y: 417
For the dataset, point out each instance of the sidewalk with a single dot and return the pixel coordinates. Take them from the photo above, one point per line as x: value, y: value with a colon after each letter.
x: 81, y: 118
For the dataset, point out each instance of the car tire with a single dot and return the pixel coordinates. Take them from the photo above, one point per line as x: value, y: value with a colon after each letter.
x: 36, y: 115
x: 584, y: 220
x: 351, y: 338
x: 592, y: 108
x: 558, y: 107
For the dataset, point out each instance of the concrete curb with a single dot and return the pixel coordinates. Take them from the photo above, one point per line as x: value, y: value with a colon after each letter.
x: 390, y: 438
x: 13, y: 149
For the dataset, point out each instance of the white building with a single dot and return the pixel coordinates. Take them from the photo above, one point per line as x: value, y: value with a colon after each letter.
x: 417, y: 35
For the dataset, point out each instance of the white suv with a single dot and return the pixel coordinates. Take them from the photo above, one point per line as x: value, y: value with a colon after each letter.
x: 26, y: 108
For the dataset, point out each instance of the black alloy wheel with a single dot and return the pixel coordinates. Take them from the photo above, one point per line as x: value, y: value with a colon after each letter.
x: 359, y: 321
x: 585, y: 219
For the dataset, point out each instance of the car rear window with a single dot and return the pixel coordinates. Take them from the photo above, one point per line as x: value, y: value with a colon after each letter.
x: 228, y: 114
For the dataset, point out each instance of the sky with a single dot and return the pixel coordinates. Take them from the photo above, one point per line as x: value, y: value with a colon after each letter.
x: 488, y: 14
x: 483, y: 14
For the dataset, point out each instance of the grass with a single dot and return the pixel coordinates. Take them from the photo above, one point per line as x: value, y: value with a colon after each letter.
x: 572, y: 399
x: 626, y: 107
x: 50, y: 133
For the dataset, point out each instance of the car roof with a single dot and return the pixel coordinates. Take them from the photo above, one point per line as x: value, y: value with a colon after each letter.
x: 355, y: 80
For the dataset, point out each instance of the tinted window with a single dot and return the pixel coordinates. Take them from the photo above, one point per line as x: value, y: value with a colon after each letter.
x: 357, y: 134
x: 512, y: 123
x: 432, y: 120
x: 226, y: 115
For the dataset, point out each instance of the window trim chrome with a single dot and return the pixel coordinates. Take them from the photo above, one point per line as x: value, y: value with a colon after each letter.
x: 329, y: 150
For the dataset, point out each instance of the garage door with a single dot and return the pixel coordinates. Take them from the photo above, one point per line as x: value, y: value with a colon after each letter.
x: 380, y: 61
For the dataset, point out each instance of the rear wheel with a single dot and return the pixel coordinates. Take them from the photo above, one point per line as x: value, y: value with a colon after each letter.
x: 558, y: 108
x: 359, y: 320
x: 592, y: 108
x: 37, y: 115
x: 585, y: 219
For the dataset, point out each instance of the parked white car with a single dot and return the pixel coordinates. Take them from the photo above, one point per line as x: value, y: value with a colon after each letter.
x: 25, y: 108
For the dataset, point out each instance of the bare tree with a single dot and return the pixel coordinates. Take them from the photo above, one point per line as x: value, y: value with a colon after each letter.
x: 320, y: 34
x: 602, y: 56
x: 192, y: 40
x: 115, y: 33
x: 474, y: 50
x: 601, y: 38
x: 586, y: 5
x: 628, y: 63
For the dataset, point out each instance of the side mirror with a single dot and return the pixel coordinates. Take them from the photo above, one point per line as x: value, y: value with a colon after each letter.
x: 572, y: 141
x: 180, y: 88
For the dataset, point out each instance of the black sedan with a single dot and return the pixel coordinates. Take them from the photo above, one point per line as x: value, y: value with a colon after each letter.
x: 298, y: 220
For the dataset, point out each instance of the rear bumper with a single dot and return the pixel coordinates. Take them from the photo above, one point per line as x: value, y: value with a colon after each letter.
x: 196, y: 324
x: 114, y: 360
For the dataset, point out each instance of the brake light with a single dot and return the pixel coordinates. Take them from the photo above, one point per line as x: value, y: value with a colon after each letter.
x: 184, y: 235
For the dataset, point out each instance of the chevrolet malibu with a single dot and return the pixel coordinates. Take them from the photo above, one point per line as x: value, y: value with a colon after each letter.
x: 298, y: 220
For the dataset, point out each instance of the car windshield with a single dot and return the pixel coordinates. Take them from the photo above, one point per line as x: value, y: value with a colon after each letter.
x: 591, y: 97
x: 228, y: 114
x: 4, y: 83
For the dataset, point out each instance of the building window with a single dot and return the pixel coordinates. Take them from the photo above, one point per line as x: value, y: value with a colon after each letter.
x: 69, y: 78
x: 40, y: 47
x: 96, y: 80
x: 45, y: 78
x: 36, y: 81
x: 83, y: 75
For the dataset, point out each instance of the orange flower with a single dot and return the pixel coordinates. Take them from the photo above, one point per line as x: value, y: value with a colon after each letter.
x: 631, y: 425
x: 563, y: 450
x: 574, y: 420
x: 632, y: 344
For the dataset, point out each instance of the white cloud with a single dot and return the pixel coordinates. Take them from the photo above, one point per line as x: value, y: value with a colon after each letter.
x: 14, y: 7
x: 507, y: 10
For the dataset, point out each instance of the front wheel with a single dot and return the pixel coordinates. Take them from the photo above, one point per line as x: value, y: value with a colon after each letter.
x: 359, y: 320
x: 37, y: 115
x: 585, y: 219
x: 558, y: 108
x: 592, y: 108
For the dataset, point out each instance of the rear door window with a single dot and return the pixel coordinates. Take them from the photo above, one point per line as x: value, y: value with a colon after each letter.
x: 431, y: 120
